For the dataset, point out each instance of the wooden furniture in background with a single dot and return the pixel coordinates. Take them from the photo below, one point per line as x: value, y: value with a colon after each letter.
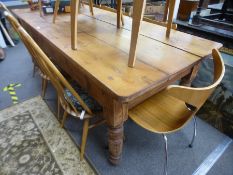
x: 138, y: 11
x: 100, y: 63
x: 170, y: 110
x: 185, y: 9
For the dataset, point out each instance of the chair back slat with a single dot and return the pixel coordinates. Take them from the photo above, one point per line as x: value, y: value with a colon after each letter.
x: 197, y: 96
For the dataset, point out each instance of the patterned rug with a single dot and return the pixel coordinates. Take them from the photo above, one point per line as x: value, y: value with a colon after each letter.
x: 32, y: 142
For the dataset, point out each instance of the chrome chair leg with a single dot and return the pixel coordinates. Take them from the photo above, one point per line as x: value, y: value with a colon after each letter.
x: 166, y: 152
x: 194, y: 132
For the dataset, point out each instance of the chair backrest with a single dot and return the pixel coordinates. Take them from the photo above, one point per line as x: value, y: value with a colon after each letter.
x: 197, y: 96
x: 57, y: 79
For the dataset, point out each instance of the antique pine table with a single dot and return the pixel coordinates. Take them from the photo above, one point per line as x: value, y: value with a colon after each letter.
x: 100, y: 63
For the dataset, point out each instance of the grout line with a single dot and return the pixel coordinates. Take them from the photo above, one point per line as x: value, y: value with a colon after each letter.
x: 208, y: 163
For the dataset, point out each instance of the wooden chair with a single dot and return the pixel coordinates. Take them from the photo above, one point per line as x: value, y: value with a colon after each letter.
x: 57, y: 3
x: 73, y: 102
x: 15, y: 24
x: 171, y: 109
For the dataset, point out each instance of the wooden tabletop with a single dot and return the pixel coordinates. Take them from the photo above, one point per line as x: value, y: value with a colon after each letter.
x: 103, y: 50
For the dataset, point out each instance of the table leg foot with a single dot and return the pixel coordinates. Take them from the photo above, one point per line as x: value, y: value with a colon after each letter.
x: 115, y: 142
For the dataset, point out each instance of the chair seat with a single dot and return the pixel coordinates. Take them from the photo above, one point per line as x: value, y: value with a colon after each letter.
x: 90, y: 102
x: 161, y: 113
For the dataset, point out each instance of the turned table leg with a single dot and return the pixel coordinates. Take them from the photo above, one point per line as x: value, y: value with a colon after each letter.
x: 115, y: 113
x: 115, y: 142
x: 187, y: 80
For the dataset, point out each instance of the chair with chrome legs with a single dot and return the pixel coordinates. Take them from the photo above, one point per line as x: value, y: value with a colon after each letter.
x: 84, y: 108
x: 171, y: 109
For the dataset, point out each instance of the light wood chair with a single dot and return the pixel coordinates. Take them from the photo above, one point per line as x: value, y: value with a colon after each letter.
x: 57, y: 3
x: 171, y: 109
x: 15, y: 24
x: 67, y: 96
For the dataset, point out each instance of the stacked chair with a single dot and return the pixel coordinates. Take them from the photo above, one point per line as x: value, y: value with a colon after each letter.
x: 79, y: 105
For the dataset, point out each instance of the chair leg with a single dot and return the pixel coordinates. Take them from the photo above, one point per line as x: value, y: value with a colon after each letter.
x: 82, y: 3
x: 194, y: 132
x: 58, y: 109
x: 64, y: 118
x: 84, y: 137
x: 44, y: 87
x: 91, y: 7
x: 122, y: 19
x: 166, y: 152
x: 56, y: 8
